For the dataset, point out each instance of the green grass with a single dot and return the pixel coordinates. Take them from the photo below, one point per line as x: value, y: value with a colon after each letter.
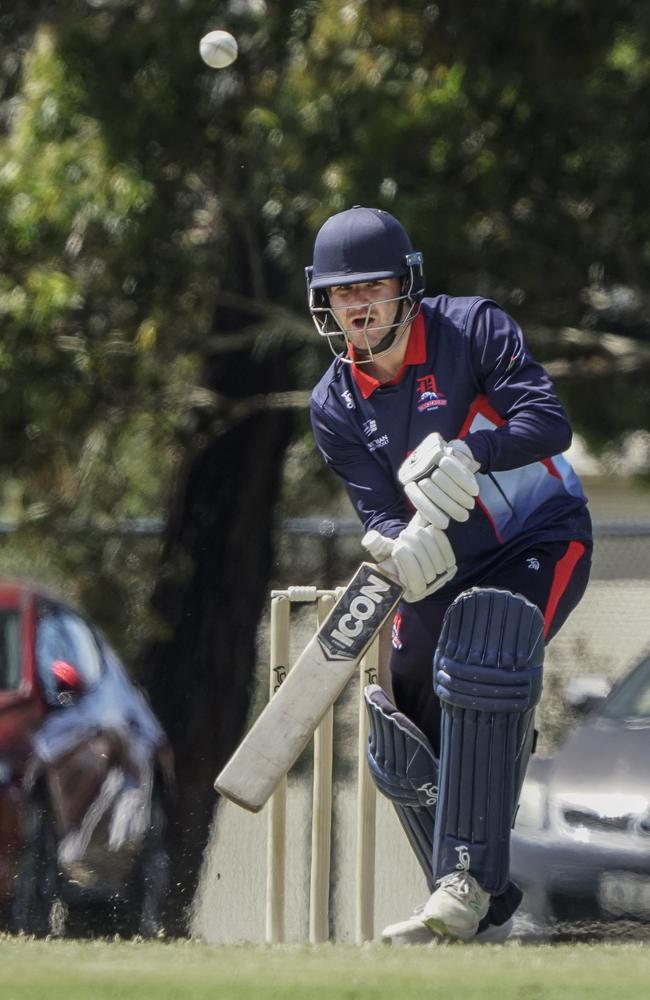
x: 71, y: 970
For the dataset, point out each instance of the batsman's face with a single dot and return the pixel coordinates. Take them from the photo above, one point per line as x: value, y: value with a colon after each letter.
x: 365, y: 311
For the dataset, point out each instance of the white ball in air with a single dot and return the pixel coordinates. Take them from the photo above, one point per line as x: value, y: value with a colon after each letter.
x: 218, y: 49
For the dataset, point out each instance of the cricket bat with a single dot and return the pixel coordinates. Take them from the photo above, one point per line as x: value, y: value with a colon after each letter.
x: 285, y: 726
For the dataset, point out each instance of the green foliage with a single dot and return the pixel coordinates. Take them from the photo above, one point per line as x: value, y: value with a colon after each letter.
x: 60, y: 195
x: 139, y: 188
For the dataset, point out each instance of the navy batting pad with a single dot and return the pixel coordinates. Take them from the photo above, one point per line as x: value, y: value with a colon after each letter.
x: 488, y: 677
x: 405, y: 770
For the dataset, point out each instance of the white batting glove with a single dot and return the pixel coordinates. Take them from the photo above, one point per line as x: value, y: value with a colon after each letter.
x: 463, y: 451
x: 450, y: 489
x: 421, y: 558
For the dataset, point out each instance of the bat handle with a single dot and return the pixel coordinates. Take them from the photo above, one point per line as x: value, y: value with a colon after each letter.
x: 388, y: 567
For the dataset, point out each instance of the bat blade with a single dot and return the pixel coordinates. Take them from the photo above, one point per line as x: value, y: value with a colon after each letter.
x: 286, y: 724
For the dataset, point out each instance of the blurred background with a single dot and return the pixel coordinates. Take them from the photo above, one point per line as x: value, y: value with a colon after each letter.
x: 156, y: 354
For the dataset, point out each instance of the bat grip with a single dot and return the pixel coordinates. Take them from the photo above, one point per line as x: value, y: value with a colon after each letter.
x: 388, y: 567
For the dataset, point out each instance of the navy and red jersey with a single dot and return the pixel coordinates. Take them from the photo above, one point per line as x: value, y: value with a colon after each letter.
x: 469, y: 374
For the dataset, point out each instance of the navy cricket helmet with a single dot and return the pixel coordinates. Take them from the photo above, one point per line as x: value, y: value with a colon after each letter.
x: 361, y: 245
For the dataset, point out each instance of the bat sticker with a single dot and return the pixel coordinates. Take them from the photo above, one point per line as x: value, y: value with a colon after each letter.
x: 358, y: 614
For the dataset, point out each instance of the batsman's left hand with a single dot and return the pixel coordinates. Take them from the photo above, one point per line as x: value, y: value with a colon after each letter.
x: 449, y: 491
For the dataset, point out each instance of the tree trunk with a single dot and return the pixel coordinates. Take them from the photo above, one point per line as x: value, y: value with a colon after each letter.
x: 209, y: 596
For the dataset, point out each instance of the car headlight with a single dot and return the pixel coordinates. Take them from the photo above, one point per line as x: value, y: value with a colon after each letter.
x: 531, y: 814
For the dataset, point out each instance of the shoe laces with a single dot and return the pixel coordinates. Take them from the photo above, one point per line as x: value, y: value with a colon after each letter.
x: 462, y: 885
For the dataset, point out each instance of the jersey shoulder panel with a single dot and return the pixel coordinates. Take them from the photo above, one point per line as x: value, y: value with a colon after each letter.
x: 485, y: 327
x: 452, y: 310
x: 334, y: 404
x: 331, y: 381
x: 455, y: 307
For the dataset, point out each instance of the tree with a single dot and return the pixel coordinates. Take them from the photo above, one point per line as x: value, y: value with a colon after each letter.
x: 156, y: 219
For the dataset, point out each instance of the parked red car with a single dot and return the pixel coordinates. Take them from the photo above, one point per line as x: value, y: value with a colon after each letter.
x: 86, y: 773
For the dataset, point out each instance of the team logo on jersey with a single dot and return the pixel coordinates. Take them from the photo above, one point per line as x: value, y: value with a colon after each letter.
x: 346, y: 396
x: 428, y: 395
x: 532, y: 563
x: 369, y: 427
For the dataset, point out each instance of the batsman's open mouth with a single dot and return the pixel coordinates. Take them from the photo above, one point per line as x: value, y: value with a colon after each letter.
x: 361, y: 323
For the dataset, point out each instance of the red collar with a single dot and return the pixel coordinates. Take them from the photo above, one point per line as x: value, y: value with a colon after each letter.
x: 415, y: 354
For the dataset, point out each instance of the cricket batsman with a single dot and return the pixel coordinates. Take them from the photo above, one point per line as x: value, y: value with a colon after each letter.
x: 448, y: 436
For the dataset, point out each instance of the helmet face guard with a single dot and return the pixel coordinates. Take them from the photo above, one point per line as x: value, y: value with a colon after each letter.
x: 407, y: 307
x: 358, y: 246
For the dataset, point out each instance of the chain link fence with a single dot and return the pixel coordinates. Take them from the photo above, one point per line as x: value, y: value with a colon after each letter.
x: 606, y: 634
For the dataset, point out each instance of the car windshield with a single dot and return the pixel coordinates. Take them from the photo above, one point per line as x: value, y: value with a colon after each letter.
x: 63, y: 636
x: 10, y: 673
x: 632, y: 699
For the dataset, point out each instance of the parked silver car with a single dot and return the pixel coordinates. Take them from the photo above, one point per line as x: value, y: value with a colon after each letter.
x: 581, y: 846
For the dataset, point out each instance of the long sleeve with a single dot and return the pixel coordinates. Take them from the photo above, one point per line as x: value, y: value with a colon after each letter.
x: 374, y: 493
x: 534, y: 425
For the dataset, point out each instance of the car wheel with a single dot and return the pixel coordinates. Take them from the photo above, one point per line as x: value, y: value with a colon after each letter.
x: 37, y: 908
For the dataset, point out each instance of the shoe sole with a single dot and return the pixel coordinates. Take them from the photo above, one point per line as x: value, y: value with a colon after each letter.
x: 431, y: 935
x: 425, y: 937
x: 440, y: 929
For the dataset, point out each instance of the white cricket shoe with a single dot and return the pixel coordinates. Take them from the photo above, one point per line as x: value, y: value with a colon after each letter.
x: 454, y: 910
x: 413, y: 930
x: 457, y: 906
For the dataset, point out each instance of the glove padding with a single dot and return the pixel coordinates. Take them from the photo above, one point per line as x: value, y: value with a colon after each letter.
x: 421, y: 558
x: 450, y: 489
